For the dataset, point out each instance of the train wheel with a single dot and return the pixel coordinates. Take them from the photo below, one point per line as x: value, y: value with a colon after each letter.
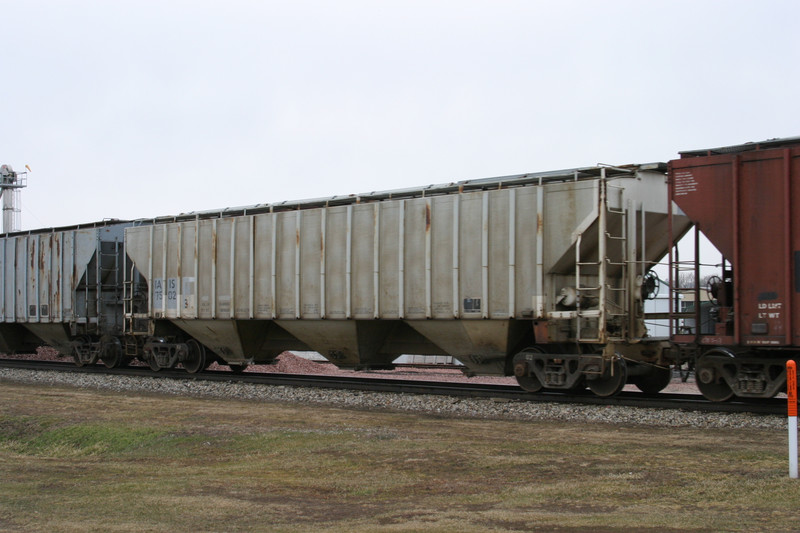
x: 527, y: 380
x: 154, y: 366
x: 612, y: 381
x: 529, y: 383
x: 196, y: 360
x: 238, y: 369
x: 112, y: 353
x: 710, y: 383
x: 655, y: 380
x: 112, y: 360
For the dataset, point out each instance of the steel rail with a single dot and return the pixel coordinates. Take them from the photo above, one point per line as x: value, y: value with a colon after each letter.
x: 688, y: 402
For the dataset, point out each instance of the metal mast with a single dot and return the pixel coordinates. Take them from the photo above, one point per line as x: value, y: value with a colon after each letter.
x: 10, y: 185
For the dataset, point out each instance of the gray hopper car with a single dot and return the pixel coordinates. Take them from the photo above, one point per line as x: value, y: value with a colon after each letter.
x: 539, y: 275
x: 63, y: 288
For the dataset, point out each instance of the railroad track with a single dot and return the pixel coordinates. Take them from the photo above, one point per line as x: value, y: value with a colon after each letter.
x: 693, y: 402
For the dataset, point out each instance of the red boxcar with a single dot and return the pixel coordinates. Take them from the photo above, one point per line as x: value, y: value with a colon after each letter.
x: 742, y: 199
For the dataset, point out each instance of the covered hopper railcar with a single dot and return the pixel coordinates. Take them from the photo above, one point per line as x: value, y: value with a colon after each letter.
x: 539, y: 275
x: 63, y: 288
x: 747, y: 324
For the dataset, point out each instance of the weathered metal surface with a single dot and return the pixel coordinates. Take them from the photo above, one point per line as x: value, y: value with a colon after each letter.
x: 742, y: 199
x: 49, y: 282
x: 464, y: 271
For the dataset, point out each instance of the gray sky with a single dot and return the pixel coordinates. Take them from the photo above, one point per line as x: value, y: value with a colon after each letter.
x: 138, y: 109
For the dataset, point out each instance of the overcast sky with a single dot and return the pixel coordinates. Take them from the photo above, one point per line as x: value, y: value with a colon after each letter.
x: 138, y: 109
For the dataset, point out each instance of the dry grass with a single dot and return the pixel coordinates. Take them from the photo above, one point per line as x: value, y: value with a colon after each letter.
x: 75, y: 460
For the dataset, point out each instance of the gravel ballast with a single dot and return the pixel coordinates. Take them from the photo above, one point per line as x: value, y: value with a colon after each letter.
x: 427, y: 404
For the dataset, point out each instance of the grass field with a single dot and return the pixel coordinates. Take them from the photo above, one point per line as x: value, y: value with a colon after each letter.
x: 78, y: 460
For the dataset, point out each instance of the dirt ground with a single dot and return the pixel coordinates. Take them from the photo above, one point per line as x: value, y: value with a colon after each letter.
x: 81, y: 460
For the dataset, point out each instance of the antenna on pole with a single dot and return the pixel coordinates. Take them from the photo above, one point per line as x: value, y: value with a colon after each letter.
x: 10, y: 185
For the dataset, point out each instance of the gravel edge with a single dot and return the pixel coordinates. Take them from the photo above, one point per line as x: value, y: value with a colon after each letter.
x: 484, y: 408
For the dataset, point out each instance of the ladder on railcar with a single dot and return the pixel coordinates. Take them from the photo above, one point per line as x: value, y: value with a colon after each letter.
x: 613, y: 302
x: 686, y: 316
x: 134, y: 298
x: 107, y: 285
